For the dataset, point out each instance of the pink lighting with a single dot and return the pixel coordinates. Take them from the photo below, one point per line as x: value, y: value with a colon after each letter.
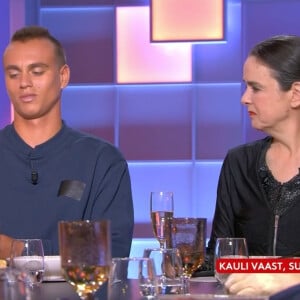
x: 187, y: 20
x: 139, y: 61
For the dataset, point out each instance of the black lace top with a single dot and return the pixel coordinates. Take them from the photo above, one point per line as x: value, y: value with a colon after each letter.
x: 281, y: 195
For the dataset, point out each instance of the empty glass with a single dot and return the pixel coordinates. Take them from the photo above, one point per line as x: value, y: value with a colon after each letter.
x: 28, y: 255
x: 229, y: 248
x: 168, y: 268
x: 132, y: 279
x: 14, y: 285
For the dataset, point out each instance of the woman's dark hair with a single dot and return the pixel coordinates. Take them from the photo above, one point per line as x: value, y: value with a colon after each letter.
x: 37, y: 32
x: 282, y: 54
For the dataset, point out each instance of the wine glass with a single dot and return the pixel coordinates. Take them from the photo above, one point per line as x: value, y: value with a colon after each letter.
x: 189, y: 237
x: 168, y: 267
x: 229, y: 248
x: 28, y: 255
x: 85, y: 250
x: 132, y: 278
x: 161, y: 209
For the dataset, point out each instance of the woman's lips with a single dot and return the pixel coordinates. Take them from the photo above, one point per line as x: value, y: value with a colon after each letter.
x: 251, y: 113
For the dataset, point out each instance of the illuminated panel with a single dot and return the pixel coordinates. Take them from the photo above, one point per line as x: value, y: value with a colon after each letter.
x: 139, y: 61
x: 187, y: 20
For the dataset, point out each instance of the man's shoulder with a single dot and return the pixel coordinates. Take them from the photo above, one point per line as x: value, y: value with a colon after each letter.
x: 87, y: 142
x: 5, y: 132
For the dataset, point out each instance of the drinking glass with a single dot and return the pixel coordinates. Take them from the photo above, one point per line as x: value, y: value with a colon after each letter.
x: 168, y: 268
x: 132, y: 278
x: 28, y: 255
x: 229, y: 248
x: 85, y: 250
x: 14, y: 285
x: 189, y: 237
x: 161, y: 209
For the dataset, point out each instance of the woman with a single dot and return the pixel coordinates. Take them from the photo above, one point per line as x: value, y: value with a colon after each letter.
x: 258, y: 193
x: 259, y: 186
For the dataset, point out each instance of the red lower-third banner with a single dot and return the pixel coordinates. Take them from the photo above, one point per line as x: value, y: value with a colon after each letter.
x: 258, y: 265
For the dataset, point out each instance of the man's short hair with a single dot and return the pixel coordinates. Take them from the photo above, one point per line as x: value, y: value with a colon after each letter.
x: 37, y: 32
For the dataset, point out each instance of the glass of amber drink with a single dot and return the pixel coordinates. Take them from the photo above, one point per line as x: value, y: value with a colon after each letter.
x: 161, y: 210
x: 189, y: 237
x: 85, y: 252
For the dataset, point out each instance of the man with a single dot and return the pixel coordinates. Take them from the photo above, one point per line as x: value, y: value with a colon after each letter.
x: 48, y: 171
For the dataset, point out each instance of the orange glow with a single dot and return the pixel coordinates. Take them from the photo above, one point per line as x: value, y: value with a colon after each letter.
x: 139, y: 61
x: 187, y: 20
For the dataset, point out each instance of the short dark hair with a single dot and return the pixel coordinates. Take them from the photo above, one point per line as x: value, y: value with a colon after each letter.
x: 37, y: 32
x: 281, y: 53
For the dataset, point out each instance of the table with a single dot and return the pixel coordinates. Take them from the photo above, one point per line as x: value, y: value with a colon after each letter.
x: 64, y: 291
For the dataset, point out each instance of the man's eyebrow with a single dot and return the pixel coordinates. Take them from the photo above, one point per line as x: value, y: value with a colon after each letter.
x: 12, y: 67
x: 31, y: 66
x: 38, y: 65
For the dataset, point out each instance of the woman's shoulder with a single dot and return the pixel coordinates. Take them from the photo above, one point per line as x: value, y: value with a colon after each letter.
x: 249, y: 152
x: 252, y: 147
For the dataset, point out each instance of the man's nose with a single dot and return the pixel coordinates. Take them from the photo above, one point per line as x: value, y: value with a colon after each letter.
x: 25, y: 80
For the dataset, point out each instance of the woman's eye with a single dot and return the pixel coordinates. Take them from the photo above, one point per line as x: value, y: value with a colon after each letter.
x: 255, y: 89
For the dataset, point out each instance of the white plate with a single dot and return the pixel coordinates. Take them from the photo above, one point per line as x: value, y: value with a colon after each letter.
x: 53, y: 270
x: 261, y: 256
x: 211, y: 297
x: 204, y: 279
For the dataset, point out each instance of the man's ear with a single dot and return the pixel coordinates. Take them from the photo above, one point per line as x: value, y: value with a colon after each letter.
x: 64, y: 76
x: 295, y: 94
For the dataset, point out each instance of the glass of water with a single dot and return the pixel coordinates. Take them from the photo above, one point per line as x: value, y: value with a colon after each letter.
x: 27, y: 255
x: 168, y: 268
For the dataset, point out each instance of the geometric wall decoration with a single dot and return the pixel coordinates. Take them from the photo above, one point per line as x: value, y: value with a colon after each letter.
x: 187, y: 20
x: 84, y: 43
x: 139, y: 61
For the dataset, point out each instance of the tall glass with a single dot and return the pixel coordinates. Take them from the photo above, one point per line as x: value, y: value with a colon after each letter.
x: 162, y: 209
x: 85, y: 250
x: 189, y: 237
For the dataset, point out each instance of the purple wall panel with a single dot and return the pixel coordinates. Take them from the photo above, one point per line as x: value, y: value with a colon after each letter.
x: 154, y: 176
x: 219, y: 119
x: 91, y: 109
x: 156, y: 122
x: 88, y: 37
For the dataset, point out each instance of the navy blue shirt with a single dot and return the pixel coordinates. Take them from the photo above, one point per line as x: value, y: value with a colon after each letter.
x: 72, y: 176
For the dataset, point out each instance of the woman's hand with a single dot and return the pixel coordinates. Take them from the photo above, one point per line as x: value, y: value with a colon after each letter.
x: 260, y: 283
